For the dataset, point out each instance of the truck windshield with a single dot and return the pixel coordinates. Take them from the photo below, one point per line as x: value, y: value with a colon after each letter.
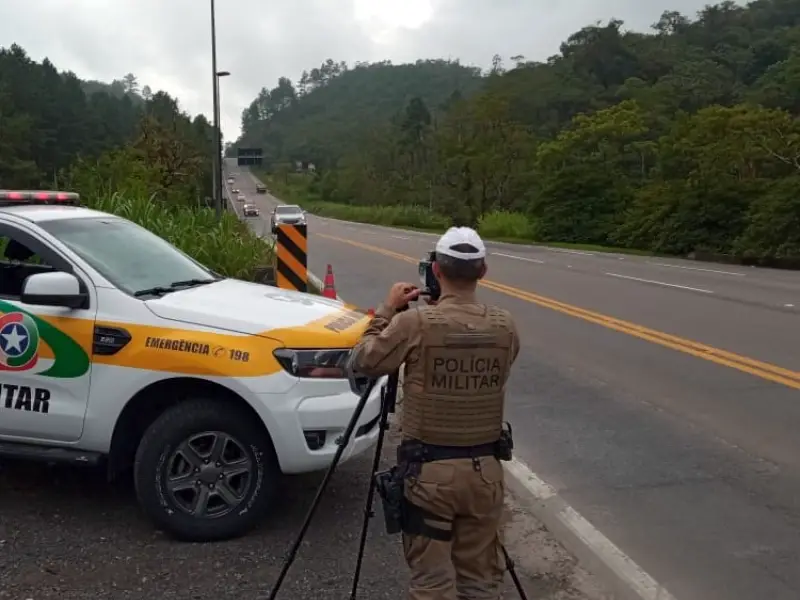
x: 129, y: 256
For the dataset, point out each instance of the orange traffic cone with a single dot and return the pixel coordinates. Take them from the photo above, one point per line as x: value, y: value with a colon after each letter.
x: 371, y: 312
x: 329, y: 289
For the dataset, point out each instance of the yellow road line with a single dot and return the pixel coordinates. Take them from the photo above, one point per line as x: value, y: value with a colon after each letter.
x: 745, y: 364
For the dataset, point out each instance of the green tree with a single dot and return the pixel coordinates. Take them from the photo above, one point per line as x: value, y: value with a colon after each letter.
x: 587, y: 176
x: 50, y: 120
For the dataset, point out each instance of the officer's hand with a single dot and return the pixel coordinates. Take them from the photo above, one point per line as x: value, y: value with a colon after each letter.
x: 401, y: 294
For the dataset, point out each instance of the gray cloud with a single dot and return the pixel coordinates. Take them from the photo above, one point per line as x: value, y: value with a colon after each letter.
x: 166, y: 43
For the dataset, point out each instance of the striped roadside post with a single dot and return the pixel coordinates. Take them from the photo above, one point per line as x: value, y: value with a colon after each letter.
x: 292, y: 257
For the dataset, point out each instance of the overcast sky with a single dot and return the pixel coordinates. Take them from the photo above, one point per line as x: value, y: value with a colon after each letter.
x: 166, y: 43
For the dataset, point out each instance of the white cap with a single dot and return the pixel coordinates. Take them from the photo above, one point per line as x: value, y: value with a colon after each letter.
x: 461, y: 235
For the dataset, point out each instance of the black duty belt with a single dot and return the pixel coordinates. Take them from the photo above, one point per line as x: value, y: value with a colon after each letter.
x: 412, y: 451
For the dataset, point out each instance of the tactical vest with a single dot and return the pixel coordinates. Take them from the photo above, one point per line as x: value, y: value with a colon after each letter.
x: 453, y: 394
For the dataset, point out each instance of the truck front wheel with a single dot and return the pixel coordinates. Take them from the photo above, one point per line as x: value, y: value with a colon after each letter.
x: 204, y: 472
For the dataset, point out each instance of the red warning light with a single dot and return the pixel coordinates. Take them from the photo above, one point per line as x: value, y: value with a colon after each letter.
x: 23, y: 198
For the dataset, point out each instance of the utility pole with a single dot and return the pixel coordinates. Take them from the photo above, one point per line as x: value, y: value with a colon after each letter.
x: 218, y: 118
x: 217, y: 159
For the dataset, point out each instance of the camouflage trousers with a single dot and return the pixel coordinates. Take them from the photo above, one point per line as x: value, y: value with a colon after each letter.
x: 468, y: 497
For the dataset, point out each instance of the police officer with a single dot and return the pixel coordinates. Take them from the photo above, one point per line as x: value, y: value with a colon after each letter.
x: 457, y: 353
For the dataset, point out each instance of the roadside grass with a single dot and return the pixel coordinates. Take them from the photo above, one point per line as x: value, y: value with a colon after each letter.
x: 500, y: 226
x: 226, y: 246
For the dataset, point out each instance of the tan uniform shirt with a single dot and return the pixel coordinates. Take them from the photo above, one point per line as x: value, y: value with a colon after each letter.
x: 393, y: 339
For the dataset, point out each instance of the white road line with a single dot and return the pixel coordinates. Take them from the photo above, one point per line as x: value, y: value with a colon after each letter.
x: 674, y: 285
x: 550, y: 507
x: 565, y: 251
x: 401, y: 237
x: 533, y: 260
x: 698, y: 269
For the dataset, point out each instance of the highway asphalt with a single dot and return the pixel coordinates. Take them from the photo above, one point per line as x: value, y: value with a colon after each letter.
x: 659, y: 397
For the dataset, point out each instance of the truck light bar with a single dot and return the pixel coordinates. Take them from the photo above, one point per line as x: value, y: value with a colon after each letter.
x: 28, y: 197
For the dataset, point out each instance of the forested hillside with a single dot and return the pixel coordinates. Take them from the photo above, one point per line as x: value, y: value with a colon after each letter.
x: 680, y: 139
x: 332, y: 107
x: 49, y: 120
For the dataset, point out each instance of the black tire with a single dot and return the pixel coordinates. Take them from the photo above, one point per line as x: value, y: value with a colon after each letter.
x: 159, y: 450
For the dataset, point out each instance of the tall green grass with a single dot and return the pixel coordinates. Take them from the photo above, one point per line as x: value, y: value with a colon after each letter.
x: 503, y: 224
x: 393, y: 216
x: 227, y: 246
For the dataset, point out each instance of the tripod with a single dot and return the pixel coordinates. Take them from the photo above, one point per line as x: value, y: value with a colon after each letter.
x: 388, y: 403
x: 342, y: 442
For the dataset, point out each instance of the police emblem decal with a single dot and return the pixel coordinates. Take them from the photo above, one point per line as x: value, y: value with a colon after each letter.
x: 19, y: 342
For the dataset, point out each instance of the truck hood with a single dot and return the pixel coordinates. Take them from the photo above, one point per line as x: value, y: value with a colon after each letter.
x: 297, y: 320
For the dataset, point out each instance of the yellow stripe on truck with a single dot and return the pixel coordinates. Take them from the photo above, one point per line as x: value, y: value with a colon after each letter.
x: 179, y: 350
x: 194, y: 352
x: 341, y: 329
x: 80, y: 330
x: 213, y: 354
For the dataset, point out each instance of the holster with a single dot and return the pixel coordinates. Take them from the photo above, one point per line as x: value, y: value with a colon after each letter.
x: 399, y: 514
x: 505, y: 445
x: 390, y: 487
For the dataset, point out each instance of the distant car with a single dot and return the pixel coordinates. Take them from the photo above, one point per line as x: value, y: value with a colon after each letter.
x: 290, y: 214
x: 261, y: 188
x: 250, y: 210
x: 236, y: 191
x: 240, y: 198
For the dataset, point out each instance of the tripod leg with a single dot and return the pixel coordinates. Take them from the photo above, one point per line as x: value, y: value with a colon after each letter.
x: 386, y: 408
x: 513, y: 573
x: 343, y: 441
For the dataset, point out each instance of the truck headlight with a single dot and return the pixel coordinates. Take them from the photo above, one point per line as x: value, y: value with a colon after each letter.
x: 320, y: 364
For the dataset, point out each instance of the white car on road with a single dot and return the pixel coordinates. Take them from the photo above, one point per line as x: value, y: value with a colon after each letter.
x: 118, y: 349
x: 289, y: 214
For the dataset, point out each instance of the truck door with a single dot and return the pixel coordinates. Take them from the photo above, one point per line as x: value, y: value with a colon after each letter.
x: 45, y: 364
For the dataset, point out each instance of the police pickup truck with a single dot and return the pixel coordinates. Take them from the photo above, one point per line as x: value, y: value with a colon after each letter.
x: 117, y: 349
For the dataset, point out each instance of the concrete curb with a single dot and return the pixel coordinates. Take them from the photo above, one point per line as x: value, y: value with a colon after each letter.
x: 624, y: 578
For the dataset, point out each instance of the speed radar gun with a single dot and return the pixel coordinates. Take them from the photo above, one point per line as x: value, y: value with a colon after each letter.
x: 430, y: 285
x: 386, y: 483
